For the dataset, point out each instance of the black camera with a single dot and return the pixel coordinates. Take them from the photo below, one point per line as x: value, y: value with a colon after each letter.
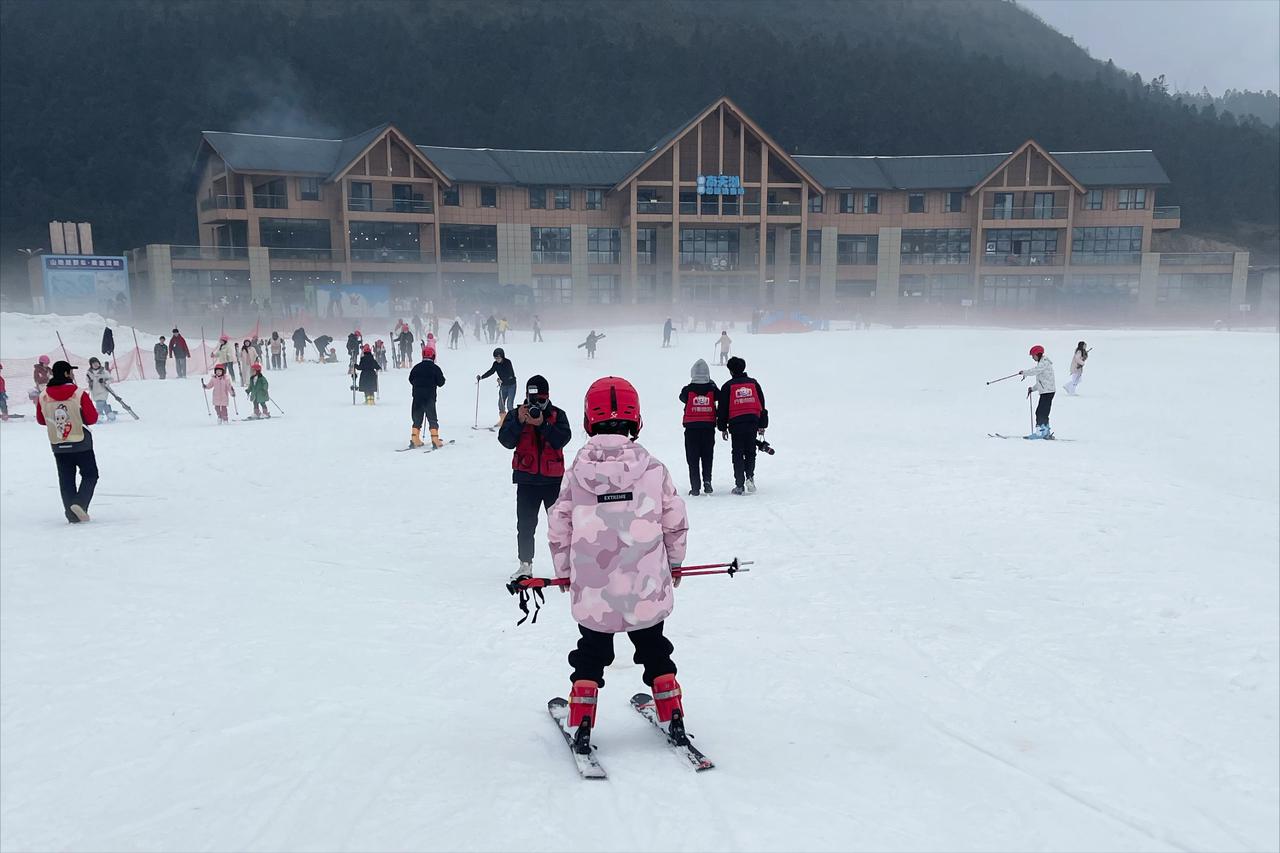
x: 537, y: 408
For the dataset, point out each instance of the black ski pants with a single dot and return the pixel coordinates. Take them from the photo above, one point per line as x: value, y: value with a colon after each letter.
x: 595, y: 652
x: 425, y: 408
x: 1042, y: 409
x: 160, y: 368
x: 699, y: 452
x: 180, y: 362
x: 68, y: 464
x: 530, y: 499
x: 743, y: 439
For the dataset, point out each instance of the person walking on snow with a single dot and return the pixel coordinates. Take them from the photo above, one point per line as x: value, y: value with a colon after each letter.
x: 223, y: 389
x: 506, y: 382
x: 66, y: 412
x: 538, y: 434
x: 618, y: 534
x: 277, y: 351
x: 380, y: 353
x: 455, y: 332
x: 257, y: 392
x: 225, y: 356
x: 161, y: 352
x: 300, y: 341
x: 40, y: 375
x: 667, y: 328
x: 699, y: 398
x: 725, y: 343
x: 98, y: 381
x: 180, y: 352
x: 590, y: 343
x: 537, y: 329
x: 245, y: 358
x: 1044, y: 385
x: 491, y: 329
x: 426, y: 378
x: 503, y: 326
x: 741, y: 415
x: 368, y: 368
x: 353, y: 346
x: 1078, y: 359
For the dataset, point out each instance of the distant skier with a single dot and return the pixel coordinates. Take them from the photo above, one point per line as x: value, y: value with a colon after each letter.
x: 225, y: 356
x: 506, y: 372
x: 405, y: 342
x: 1044, y: 385
x: 161, y: 353
x: 455, y: 332
x: 667, y: 328
x: 276, y: 345
x: 1078, y: 359
x: 245, y: 358
x: 477, y: 321
x: 300, y: 341
x: 258, y: 392
x: 426, y: 378
x: 66, y: 412
x: 368, y: 367
x: 380, y: 353
x: 223, y: 389
x: 537, y: 329
x: 354, y: 342
x: 98, y: 381
x: 322, y: 347
x: 725, y: 343
x: 590, y: 343
x: 617, y: 533
x: 538, y: 434
x: 741, y: 415
x: 491, y: 329
x: 699, y: 398
x: 503, y: 326
x: 180, y: 351
x: 40, y: 375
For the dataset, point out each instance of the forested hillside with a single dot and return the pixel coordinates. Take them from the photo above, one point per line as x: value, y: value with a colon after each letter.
x: 103, y: 103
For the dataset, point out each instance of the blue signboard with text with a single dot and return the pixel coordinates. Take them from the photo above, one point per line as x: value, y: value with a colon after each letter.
x: 720, y: 185
x: 82, y: 284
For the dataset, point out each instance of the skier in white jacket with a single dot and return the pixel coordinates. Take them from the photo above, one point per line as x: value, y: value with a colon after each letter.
x: 1077, y: 368
x: 1044, y: 386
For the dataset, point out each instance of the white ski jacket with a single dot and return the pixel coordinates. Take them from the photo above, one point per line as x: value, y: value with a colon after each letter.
x: 98, y: 380
x: 1042, y: 373
x: 1077, y: 362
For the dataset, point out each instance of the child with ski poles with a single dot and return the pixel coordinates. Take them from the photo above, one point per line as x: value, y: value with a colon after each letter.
x: 1044, y: 385
x: 1078, y: 359
x: 257, y: 392
x: 616, y: 532
x: 98, y: 379
x: 725, y: 342
x: 222, y: 389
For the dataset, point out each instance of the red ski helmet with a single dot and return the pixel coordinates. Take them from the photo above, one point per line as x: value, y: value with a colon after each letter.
x: 357, y: 334
x: 44, y: 359
x: 1037, y: 350
x: 219, y: 368
x: 368, y: 348
x: 257, y: 365
x: 222, y: 338
x: 428, y: 351
x: 611, y: 398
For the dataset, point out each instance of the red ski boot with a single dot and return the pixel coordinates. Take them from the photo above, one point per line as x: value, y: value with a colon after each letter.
x: 582, y: 714
x: 666, y: 696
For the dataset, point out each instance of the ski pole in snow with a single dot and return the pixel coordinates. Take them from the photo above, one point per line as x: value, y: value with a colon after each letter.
x: 61, y: 344
x: 277, y: 405
x: 206, y: 398
x: 527, y: 588
x: 234, y: 404
x: 1030, y: 411
x: 476, y: 425
x: 1003, y: 378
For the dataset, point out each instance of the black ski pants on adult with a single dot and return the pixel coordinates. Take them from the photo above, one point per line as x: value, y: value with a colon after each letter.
x: 425, y: 408
x: 1042, y: 409
x: 531, y: 498
x: 68, y: 464
x: 595, y: 652
x: 180, y: 362
x: 160, y: 365
x: 743, y: 439
x: 699, y: 452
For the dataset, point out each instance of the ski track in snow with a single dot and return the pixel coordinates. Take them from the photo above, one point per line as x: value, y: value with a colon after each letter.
x: 291, y: 637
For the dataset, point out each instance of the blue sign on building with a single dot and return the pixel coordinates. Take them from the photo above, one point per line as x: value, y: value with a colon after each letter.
x: 720, y: 185
x: 80, y: 284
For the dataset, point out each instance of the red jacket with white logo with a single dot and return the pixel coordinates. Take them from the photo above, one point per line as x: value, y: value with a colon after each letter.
x: 699, y: 400
x: 741, y: 401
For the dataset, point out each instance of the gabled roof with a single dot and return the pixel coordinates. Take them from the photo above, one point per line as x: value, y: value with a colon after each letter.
x: 352, y: 147
x: 252, y: 152
x: 524, y: 167
x: 1030, y: 144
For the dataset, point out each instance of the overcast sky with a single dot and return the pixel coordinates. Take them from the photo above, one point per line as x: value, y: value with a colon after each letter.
x: 1222, y: 44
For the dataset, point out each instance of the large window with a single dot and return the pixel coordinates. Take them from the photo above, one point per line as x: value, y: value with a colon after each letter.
x: 815, y: 202
x: 361, y: 197
x: 550, y: 245
x: 1020, y: 291
x: 647, y: 289
x: 553, y: 289
x: 1101, y: 290
x: 943, y: 289
x: 848, y: 202
x: 449, y: 196
x: 814, y: 249
x: 857, y: 248
x: 954, y: 202
x: 646, y: 246
x: 488, y: 196
x: 295, y: 238
x: 595, y: 199
x: 1131, y: 199
x: 271, y: 194
x: 709, y: 248
x: 871, y: 203
x: 1194, y: 288
x: 935, y: 246
x: 604, y: 290
x: 564, y: 199
x: 1020, y: 246
x: 1002, y: 206
x: 604, y: 245
x: 385, y: 242
x: 309, y: 189
x: 475, y: 244
x: 915, y: 203
x: 537, y: 198
x: 1091, y: 200
x: 1110, y: 245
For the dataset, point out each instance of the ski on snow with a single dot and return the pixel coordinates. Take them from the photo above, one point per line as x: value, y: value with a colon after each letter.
x: 589, y: 766
x: 676, y: 736
x: 1028, y: 437
x: 428, y: 449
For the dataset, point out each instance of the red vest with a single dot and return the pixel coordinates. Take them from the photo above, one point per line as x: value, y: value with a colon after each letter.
x: 744, y: 399
x: 535, y: 456
x: 700, y: 407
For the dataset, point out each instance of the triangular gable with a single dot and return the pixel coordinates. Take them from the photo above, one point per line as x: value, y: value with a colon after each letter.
x: 672, y: 139
x: 355, y: 148
x: 1042, y: 151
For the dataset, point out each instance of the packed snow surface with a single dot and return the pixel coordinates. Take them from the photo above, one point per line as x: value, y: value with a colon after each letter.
x: 283, y: 635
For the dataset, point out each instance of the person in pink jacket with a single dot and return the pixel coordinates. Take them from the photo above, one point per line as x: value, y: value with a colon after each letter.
x: 222, y: 389
x: 617, y: 533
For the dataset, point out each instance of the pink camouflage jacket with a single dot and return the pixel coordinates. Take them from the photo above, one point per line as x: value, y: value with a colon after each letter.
x: 615, y: 531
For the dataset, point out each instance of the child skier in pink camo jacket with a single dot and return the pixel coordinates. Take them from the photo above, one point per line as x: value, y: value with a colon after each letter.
x: 617, y: 531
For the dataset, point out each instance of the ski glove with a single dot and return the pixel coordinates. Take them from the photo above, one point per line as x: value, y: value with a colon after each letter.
x: 675, y: 574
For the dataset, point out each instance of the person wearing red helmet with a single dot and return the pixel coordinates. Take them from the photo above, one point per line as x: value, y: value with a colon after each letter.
x: 40, y: 374
x: 425, y: 378
x: 618, y: 534
x: 368, y: 368
x: 741, y: 413
x: 225, y: 356
x: 257, y: 391
x: 380, y: 353
x: 66, y: 412
x: 404, y: 344
x: 538, y: 435
x: 223, y: 390
x: 1044, y: 385
x: 353, y: 346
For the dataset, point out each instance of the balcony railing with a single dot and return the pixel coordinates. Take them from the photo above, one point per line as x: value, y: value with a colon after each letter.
x: 646, y: 258
x: 1203, y: 259
x: 271, y: 202
x: 603, y: 257
x: 725, y: 262
x: 542, y: 256
x: 1034, y: 259
x: 1170, y: 212
x: 469, y: 256
x: 222, y: 202
x: 390, y: 205
x: 1094, y: 259
x: 647, y: 206
x: 384, y: 255
x: 291, y: 253
x: 858, y: 259
x: 1024, y: 212
x: 783, y: 208
x: 208, y: 253
x: 947, y: 258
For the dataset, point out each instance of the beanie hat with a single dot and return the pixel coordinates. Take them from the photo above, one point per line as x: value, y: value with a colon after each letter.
x: 737, y: 365
x: 538, y: 382
x: 700, y: 372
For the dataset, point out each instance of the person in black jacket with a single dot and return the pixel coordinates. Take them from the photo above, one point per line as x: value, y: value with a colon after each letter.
x: 506, y: 383
x: 300, y: 341
x: 353, y: 346
x: 538, y: 434
x: 741, y: 413
x: 322, y: 347
x: 368, y: 368
x: 699, y: 398
x: 161, y: 352
x: 425, y: 378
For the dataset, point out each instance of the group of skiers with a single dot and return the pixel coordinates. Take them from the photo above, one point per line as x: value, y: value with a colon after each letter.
x: 1045, y: 386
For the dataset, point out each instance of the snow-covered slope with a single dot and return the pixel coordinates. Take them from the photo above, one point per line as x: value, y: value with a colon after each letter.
x: 282, y: 635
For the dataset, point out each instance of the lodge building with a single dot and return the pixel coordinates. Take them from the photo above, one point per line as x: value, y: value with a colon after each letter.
x: 714, y: 212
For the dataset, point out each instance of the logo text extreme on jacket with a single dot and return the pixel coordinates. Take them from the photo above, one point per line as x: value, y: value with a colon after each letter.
x: 613, y: 498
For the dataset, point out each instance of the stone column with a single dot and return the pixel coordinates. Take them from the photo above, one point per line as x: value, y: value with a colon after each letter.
x: 259, y: 272
x: 827, y: 268
x: 515, y: 265
x: 160, y: 275
x: 578, y: 257
x: 888, y: 265
x: 1239, y: 280
x: 1148, y: 280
